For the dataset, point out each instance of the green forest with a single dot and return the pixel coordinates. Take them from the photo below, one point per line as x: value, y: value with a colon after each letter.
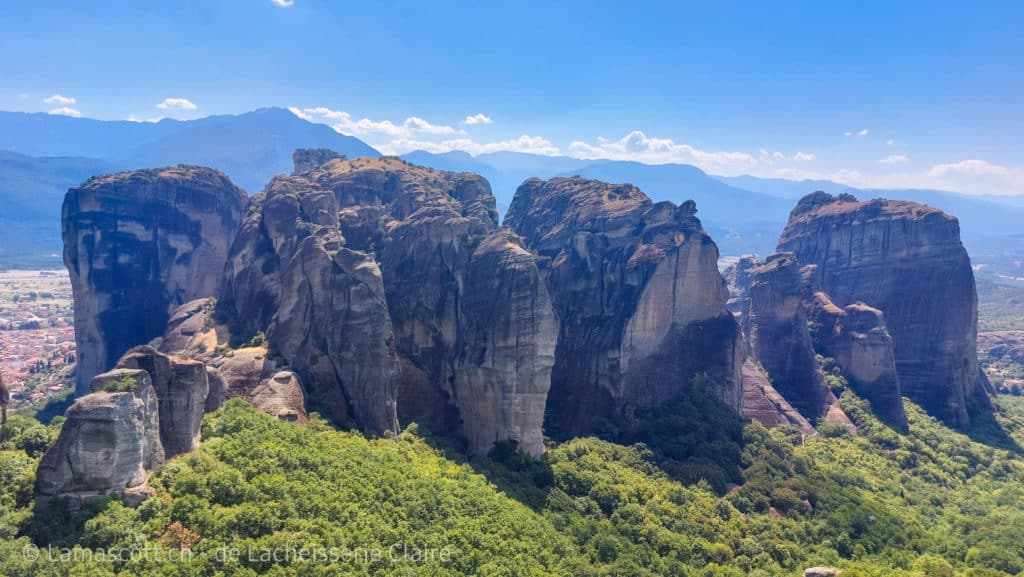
x: 686, y: 496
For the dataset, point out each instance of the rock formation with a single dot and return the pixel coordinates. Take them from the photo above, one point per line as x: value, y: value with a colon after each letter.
x: 333, y: 328
x: 109, y: 440
x: 776, y: 329
x: 361, y: 272
x: 148, y: 409
x: 309, y: 159
x: 906, y: 260
x: 857, y: 339
x: 504, y: 370
x: 137, y: 245
x: 181, y: 386
x: 281, y: 396
x: 737, y: 279
x: 762, y: 403
x: 639, y: 296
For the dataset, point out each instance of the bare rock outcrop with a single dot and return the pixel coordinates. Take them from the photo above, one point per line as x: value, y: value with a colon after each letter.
x: 509, y: 337
x: 137, y: 245
x: 110, y: 439
x: 281, y: 395
x: 639, y: 296
x: 856, y: 337
x: 764, y: 404
x: 737, y: 279
x: 182, y: 387
x: 776, y: 328
x: 907, y: 261
x: 333, y: 328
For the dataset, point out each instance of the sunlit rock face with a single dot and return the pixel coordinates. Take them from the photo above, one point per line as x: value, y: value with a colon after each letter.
x: 639, y: 297
x: 139, y: 244
x: 905, y: 260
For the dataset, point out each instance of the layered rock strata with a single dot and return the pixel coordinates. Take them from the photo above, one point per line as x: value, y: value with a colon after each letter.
x: 905, y: 260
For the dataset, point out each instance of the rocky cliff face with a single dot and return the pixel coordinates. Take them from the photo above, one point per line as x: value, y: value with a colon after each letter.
x: 639, y: 297
x: 776, y: 328
x: 364, y: 271
x: 508, y: 347
x: 333, y: 327
x: 857, y: 339
x: 906, y: 260
x: 182, y: 386
x: 137, y: 245
x: 148, y: 409
x: 737, y: 279
x: 106, y: 443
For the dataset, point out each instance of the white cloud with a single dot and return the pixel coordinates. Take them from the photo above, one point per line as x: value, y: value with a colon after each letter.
x: 298, y: 112
x: 345, y: 124
x: 478, y: 119
x: 638, y: 146
x: 65, y: 111
x: 848, y: 133
x: 803, y: 156
x: 283, y: 3
x: 525, y: 143
x: 863, y: 132
x: 176, y: 104
x: 59, y: 99
x: 890, y: 142
x: 969, y: 167
x: 895, y: 159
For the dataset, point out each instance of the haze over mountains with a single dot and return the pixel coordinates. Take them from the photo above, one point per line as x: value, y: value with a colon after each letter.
x: 41, y: 156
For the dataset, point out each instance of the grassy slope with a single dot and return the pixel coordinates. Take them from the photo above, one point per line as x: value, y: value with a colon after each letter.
x: 928, y: 503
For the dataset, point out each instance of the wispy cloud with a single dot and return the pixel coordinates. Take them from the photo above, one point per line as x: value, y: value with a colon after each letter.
x: 478, y: 119
x: 971, y: 167
x: 65, y: 111
x: 283, y: 3
x: 803, y: 156
x: 638, y: 146
x: 861, y: 132
x: 176, y: 104
x: 895, y: 159
x: 344, y: 123
x: 59, y: 99
x: 525, y: 143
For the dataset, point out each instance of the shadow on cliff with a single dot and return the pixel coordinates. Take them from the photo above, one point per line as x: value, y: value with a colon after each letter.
x: 692, y: 439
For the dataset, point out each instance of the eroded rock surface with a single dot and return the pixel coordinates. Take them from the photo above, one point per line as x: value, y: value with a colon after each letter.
x: 281, y: 396
x: 137, y: 245
x: 776, y: 328
x: 639, y: 296
x: 509, y: 336
x: 109, y: 440
x: 906, y: 260
x: 856, y: 337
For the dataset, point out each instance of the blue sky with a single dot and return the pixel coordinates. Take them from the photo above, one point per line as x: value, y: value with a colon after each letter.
x: 890, y: 94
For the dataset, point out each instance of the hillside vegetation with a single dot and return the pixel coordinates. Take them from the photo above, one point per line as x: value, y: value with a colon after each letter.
x: 929, y: 503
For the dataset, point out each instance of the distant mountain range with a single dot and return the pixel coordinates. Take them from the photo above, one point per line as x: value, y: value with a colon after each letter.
x: 47, y: 154
x: 44, y: 155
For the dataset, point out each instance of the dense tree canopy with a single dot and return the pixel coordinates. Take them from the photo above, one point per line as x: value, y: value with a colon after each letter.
x: 697, y: 493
